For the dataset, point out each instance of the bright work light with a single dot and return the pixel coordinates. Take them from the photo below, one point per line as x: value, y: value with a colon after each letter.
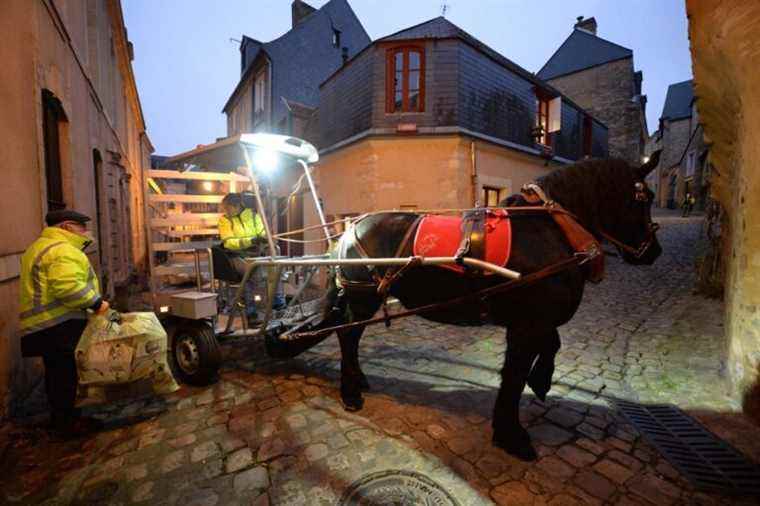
x: 265, y: 160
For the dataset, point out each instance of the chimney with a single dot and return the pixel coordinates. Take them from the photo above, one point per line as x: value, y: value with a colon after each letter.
x: 299, y: 11
x: 344, y: 54
x: 588, y: 25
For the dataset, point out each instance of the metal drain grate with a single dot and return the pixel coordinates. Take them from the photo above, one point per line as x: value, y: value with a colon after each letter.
x: 708, y: 462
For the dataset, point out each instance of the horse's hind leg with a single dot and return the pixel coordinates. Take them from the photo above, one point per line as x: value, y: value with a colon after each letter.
x: 508, y: 434
x: 540, y: 378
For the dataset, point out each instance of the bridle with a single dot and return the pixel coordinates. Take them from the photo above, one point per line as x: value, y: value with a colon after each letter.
x: 643, y: 247
x: 531, y: 190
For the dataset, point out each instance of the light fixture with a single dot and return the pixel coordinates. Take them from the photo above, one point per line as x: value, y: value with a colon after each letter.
x: 208, y: 186
x: 257, y: 298
x: 164, y: 309
x: 645, y: 159
x: 265, y: 160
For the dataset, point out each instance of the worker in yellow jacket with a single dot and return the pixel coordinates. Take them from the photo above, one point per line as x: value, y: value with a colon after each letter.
x: 240, y: 228
x: 242, y: 233
x: 58, y: 287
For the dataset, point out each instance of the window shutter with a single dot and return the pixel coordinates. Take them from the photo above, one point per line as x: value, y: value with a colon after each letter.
x: 555, y: 114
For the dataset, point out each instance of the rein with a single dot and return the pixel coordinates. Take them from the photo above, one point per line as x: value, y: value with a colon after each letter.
x: 528, y: 279
x: 639, y: 252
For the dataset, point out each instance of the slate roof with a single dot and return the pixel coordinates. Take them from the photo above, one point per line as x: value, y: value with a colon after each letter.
x: 581, y: 50
x: 678, y: 101
x: 442, y: 28
x: 304, y: 56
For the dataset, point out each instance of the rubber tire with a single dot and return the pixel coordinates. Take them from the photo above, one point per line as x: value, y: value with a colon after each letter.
x: 209, y: 354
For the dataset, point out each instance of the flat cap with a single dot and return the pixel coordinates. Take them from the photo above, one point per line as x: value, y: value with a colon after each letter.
x: 56, y: 217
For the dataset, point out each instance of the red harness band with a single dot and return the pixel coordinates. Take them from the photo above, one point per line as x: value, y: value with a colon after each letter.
x: 440, y: 236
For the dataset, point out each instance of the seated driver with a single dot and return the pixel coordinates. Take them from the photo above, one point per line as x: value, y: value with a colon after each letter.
x: 242, y: 230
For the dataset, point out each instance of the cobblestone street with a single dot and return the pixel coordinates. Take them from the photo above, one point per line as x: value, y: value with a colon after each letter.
x: 275, y: 433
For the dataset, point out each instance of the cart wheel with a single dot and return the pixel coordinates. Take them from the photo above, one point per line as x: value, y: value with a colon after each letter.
x: 195, y: 354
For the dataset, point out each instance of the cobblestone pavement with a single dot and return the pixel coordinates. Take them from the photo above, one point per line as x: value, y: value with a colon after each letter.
x: 275, y: 433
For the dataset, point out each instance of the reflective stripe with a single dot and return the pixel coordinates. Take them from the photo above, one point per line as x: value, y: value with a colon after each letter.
x: 60, y: 302
x: 74, y: 315
x: 36, y: 282
x: 40, y: 309
x: 78, y: 294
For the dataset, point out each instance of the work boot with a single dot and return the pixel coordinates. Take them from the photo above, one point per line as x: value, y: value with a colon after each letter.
x: 70, y: 427
x: 279, y: 302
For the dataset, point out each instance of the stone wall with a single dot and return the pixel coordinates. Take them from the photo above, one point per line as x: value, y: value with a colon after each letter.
x: 725, y: 46
x: 606, y: 91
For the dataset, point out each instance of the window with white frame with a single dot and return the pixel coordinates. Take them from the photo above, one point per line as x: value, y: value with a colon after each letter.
x: 548, y: 115
x: 691, y: 161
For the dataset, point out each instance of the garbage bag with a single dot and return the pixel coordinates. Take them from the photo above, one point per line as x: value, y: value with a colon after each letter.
x: 122, y: 355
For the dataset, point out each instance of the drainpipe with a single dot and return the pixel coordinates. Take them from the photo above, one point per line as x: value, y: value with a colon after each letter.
x: 473, y: 174
x: 290, y: 115
x: 270, y: 79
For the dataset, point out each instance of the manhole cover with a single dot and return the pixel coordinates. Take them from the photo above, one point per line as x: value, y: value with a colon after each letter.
x: 396, y: 488
x: 708, y: 462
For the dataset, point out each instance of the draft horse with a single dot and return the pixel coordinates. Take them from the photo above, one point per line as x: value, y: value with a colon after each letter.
x: 609, y: 198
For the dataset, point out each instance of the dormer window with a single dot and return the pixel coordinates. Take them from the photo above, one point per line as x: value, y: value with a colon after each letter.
x: 405, y: 79
x: 336, y: 38
x: 548, y: 116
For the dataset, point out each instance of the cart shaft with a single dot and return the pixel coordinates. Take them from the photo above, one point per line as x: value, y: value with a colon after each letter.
x: 471, y: 262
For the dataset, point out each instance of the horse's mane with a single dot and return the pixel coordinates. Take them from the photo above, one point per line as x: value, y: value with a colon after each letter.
x: 591, y: 188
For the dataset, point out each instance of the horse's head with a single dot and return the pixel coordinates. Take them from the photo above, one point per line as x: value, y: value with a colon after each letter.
x: 628, y: 221
x: 611, y: 199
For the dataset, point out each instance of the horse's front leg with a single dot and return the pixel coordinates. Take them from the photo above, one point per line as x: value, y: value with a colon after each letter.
x: 540, y: 378
x: 351, y: 376
x: 352, y: 379
x: 508, y: 434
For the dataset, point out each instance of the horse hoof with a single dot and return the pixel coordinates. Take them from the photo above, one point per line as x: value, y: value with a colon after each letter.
x: 539, y: 389
x: 523, y: 450
x: 353, y: 404
x: 541, y: 394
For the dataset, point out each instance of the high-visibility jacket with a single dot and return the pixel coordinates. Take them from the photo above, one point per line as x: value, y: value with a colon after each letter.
x: 239, y: 232
x: 57, y: 281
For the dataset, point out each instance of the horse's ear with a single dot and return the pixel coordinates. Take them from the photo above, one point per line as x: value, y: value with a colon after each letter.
x: 648, y: 167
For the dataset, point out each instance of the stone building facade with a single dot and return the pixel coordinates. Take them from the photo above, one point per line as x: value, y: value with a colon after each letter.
x: 599, y: 75
x: 73, y: 136
x: 693, y: 170
x: 678, y: 123
x: 725, y: 43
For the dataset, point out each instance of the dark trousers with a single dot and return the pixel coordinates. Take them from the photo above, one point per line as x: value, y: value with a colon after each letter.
x: 56, y: 346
